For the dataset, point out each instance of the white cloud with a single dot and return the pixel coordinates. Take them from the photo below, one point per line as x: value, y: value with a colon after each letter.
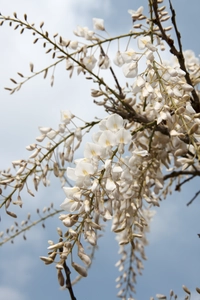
x: 17, y: 269
x: 9, y: 293
x: 165, y: 218
x: 102, y: 9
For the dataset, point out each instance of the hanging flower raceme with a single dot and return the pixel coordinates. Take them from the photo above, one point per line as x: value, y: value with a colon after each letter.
x: 152, y: 128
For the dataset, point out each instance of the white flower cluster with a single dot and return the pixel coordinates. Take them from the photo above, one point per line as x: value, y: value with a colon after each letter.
x: 121, y: 174
x: 110, y: 186
x: 151, y: 134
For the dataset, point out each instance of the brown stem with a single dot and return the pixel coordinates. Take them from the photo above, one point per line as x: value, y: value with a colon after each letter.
x: 114, y: 76
x: 179, y: 54
x: 131, y: 115
x: 178, y: 186
x: 68, y: 283
x: 178, y: 173
x: 195, y: 196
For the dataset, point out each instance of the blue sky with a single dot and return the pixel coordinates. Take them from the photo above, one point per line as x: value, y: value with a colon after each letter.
x: 173, y: 250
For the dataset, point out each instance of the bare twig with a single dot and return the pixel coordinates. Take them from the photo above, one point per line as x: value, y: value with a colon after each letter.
x: 178, y: 35
x: 114, y: 76
x: 179, y: 54
x: 177, y: 188
x: 68, y: 283
x: 195, y: 196
x: 130, y: 114
x: 23, y: 230
x: 179, y: 173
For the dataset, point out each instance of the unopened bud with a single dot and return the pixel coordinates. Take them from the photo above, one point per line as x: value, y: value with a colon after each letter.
x: 47, y: 260
x: 82, y: 271
x: 61, y: 279
x: 198, y: 290
x: 56, y: 169
x: 193, y: 129
x: 180, y: 152
x: 11, y: 214
x: 59, y: 231
x: 186, y: 289
x: 160, y: 296
x: 180, y: 110
x: 85, y: 258
x: 56, y: 246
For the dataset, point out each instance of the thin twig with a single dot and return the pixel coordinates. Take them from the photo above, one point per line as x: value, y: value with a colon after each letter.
x: 195, y: 196
x: 114, y: 76
x: 32, y: 170
x: 179, y: 54
x: 177, y: 188
x: 131, y: 115
x: 179, y: 173
x: 68, y: 283
x: 173, y: 18
x: 196, y: 104
x: 34, y: 223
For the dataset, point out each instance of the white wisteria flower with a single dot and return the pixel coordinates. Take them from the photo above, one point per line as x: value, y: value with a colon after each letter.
x: 93, y: 150
x: 129, y: 56
x: 89, y: 62
x: 137, y: 156
x: 84, y: 169
x: 130, y: 70
x: 70, y: 205
x: 103, y: 125
x: 114, y: 122
x: 110, y: 185
x: 73, y: 45
x: 71, y: 174
x: 107, y: 139
x: 145, y: 42
x: 72, y: 191
x: 79, y: 31
x: 118, y: 60
x: 135, y: 14
x: 66, y: 116
x: 104, y: 62
x: 98, y: 24
x: 123, y: 136
x: 84, y: 32
x: 140, y: 81
x: 190, y: 57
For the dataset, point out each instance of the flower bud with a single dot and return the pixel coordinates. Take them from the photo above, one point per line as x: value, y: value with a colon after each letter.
x: 61, y: 279
x: 193, y: 129
x: 82, y: 271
